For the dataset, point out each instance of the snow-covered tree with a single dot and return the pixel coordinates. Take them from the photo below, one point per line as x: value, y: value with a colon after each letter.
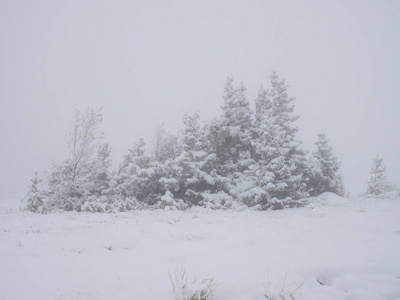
x: 101, y: 175
x: 232, y: 135
x: 198, y: 164
x: 72, y: 179
x: 147, y: 178
x: 236, y: 127
x: 237, y: 159
x: 95, y: 187
x: 167, y: 149
x: 378, y: 184
x: 216, y: 157
x: 168, y: 202
x: 35, y: 197
x: 138, y: 176
x: 327, y: 179
x: 258, y: 174
x: 124, y: 182
x: 84, y: 140
x: 165, y: 145
x: 281, y: 161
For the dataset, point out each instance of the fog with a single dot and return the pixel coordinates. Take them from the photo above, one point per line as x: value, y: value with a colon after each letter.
x: 149, y: 62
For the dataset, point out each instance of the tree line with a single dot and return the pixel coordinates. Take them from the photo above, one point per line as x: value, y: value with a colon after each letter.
x: 242, y: 159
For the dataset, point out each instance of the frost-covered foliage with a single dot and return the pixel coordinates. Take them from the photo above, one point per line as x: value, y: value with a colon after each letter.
x: 35, y: 197
x: 378, y: 185
x: 84, y: 173
x: 198, y: 162
x: 280, y: 160
x: 133, y: 178
x: 325, y: 176
x: 168, y: 202
x: 166, y: 146
x: 241, y: 159
x: 235, y: 128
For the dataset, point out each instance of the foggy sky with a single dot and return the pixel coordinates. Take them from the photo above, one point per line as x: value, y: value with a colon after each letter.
x: 148, y: 62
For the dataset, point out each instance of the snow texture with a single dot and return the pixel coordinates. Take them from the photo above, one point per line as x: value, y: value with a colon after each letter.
x: 338, y: 248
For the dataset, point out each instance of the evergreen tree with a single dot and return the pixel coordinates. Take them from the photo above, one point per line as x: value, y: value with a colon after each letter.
x: 35, y: 197
x: 95, y: 188
x: 262, y: 124
x: 166, y: 146
x: 198, y: 164
x: 236, y: 125
x: 281, y: 161
x: 327, y: 179
x: 100, y: 177
x: 134, y: 178
x: 378, y: 184
x: 217, y: 156
x: 254, y: 192
x: 232, y: 135
x: 147, y: 178
x: 131, y: 182
x: 238, y: 158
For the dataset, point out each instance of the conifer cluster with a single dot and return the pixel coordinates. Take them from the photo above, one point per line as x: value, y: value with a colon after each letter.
x: 243, y: 158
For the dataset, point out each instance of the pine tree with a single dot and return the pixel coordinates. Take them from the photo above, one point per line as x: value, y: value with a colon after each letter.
x: 147, y: 178
x: 378, y: 184
x: 100, y: 176
x: 198, y: 164
x: 35, y: 197
x: 233, y: 134
x: 130, y: 186
x: 167, y: 170
x: 134, y: 178
x: 95, y: 187
x: 254, y: 192
x: 217, y: 196
x: 281, y: 161
x: 166, y: 146
x: 328, y: 179
x: 236, y: 124
x: 262, y: 125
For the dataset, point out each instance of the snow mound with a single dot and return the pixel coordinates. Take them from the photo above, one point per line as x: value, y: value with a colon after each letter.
x: 328, y: 199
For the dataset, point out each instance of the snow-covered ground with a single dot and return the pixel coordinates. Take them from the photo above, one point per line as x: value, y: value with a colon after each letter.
x: 337, y: 248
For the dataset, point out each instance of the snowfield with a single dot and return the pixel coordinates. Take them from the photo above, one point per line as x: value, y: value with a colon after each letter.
x: 337, y: 248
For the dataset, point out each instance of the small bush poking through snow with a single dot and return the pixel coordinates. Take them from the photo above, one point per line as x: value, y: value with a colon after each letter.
x: 200, y: 288
x: 168, y: 202
x: 34, y: 198
x: 274, y: 292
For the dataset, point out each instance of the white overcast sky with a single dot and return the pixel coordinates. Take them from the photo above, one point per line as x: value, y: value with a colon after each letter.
x: 148, y: 62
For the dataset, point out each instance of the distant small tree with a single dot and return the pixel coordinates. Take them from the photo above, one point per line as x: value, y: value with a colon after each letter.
x: 165, y: 145
x: 378, y: 184
x: 165, y: 170
x: 327, y: 179
x: 35, y: 197
x: 99, y: 177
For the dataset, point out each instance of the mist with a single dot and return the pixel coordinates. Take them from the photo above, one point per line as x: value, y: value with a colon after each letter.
x: 149, y: 62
